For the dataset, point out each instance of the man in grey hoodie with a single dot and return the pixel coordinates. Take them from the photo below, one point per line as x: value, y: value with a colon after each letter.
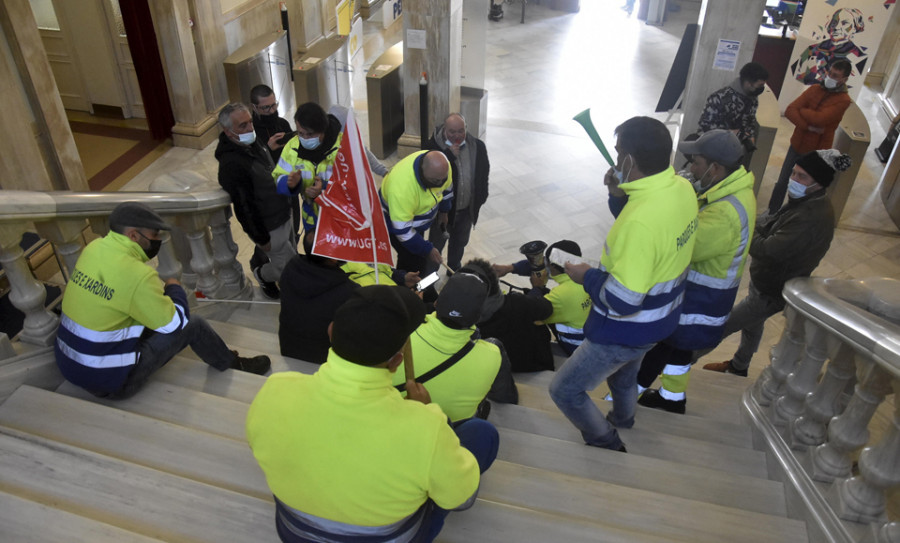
x: 471, y: 168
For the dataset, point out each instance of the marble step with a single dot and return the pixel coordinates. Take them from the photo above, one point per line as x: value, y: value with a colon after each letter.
x: 200, y: 457
x: 493, y: 522
x: 36, y: 367
x: 177, y: 405
x: 667, y: 517
x: 225, y: 417
x: 639, y: 440
x: 644, y: 473
x: 26, y: 521
x: 185, y: 371
x: 128, y: 496
x: 538, y: 397
x: 140, y: 439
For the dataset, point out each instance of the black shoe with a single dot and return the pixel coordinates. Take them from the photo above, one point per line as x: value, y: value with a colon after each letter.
x: 622, y: 449
x: 483, y: 410
x: 258, y: 365
x: 653, y: 399
x: 269, y: 288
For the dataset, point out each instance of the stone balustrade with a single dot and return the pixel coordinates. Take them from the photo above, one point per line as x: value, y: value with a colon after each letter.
x: 199, y: 243
x: 837, y: 361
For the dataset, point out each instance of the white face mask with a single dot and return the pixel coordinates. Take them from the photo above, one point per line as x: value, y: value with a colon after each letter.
x: 830, y: 83
x: 621, y: 175
x: 796, y: 189
x: 247, y: 138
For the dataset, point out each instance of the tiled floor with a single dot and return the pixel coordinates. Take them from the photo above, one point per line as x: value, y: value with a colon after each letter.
x: 546, y: 175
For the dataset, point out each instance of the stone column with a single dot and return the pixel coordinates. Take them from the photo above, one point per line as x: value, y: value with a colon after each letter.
x: 441, y: 23
x: 65, y: 234
x: 731, y: 21
x: 27, y: 294
x: 202, y: 263
x: 803, y: 379
x: 810, y: 429
x: 195, y: 126
x: 849, y: 431
x: 42, y: 155
x: 211, y: 50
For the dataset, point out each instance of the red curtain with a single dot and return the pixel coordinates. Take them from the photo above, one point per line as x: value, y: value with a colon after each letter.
x: 148, y: 66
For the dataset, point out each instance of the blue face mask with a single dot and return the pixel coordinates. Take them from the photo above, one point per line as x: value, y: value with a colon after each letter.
x: 796, y: 190
x: 247, y: 138
x: 309, y: 143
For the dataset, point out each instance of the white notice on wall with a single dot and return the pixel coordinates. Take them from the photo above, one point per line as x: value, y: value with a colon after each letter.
x: 726, y: 55
x: 415, y: 39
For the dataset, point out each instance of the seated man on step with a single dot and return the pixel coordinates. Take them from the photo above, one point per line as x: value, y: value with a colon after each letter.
x: 120, y: 324
x: 347, y: 458
x: 459, y: 368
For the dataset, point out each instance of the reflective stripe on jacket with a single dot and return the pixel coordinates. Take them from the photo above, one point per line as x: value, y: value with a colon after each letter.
x: 111, y: 297
x: 637, y: 290
x: 410, y: 208
x: 720, y: 253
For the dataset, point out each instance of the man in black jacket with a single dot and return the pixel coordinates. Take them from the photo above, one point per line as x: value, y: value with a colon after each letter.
x: 312, y: 288
x: 511, y: 319
x: 245, y: 172
x: 273, y: 131
x: 471, y: 168
x: 788, y: 244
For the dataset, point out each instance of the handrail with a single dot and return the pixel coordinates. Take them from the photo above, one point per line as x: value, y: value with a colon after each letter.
x: 840, y: 306
x: 17, y: 206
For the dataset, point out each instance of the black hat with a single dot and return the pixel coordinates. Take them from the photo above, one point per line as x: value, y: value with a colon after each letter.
x: 374, y: 323
x: 821, y: 165
x: 135, y: 215
x: 719, y: 145
x: 460, y: 301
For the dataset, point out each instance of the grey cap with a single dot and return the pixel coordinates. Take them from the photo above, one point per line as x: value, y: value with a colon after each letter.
x: 718, y: 145
x: 136, y: 215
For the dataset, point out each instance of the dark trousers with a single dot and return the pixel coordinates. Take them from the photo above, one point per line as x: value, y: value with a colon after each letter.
x: 459, y: 232
x: 157, y: 349
x: 658, y: 358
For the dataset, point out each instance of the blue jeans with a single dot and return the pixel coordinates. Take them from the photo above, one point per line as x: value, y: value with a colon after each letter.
x: 589, y: 365
x: 482, y: 440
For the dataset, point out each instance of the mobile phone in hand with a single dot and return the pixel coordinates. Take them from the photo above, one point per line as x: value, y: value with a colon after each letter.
x: 429, y: 280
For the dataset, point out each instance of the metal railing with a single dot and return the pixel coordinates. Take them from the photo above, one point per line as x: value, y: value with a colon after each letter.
x: 836, y: 362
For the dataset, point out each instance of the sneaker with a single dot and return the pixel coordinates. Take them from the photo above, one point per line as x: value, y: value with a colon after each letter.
x: 483, y: 410
x: 269, y: 288
x: 653, y: 399
x: 725, y: 367
x: 258, y: 365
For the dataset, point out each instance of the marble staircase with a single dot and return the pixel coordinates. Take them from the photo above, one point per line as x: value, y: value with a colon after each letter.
x: 171, y: 464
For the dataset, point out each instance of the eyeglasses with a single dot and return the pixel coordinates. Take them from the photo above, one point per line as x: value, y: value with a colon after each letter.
x: 435, y: 182
x: 267, y: 109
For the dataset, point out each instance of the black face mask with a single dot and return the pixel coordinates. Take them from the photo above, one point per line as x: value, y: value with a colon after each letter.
x: 154, y: 248
x: 756, y: 92
x: 155, y: 244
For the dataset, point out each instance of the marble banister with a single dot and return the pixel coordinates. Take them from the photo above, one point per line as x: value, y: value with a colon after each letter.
x: 851, y: 328
x: 61, y: 217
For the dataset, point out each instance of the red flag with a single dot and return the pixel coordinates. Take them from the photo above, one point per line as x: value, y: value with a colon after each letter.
x: 351, y: 224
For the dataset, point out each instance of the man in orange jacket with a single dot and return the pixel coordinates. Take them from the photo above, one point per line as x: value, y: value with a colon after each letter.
x: 816, y: 114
